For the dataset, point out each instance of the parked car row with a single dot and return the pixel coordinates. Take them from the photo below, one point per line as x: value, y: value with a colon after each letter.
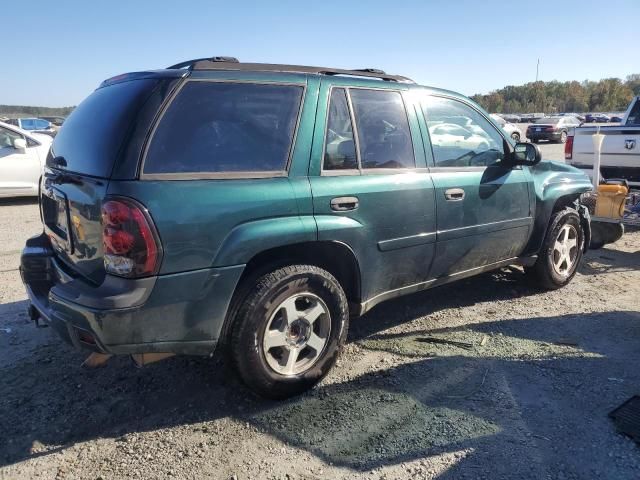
x: 586, y: 118
x: 44, y: 125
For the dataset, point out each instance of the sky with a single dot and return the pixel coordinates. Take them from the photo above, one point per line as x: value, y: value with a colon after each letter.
x: 57, y: 52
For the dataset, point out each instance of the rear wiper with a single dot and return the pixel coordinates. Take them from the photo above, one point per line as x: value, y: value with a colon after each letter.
x: 59, y: 178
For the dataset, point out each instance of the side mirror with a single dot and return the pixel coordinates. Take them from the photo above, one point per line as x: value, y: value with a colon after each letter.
x: 526, y: 154
x: 20, y: 144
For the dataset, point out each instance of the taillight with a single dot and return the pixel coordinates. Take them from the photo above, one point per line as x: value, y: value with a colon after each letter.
x: 131, y: 244
x: 568, y: 148
x: 550, y: 129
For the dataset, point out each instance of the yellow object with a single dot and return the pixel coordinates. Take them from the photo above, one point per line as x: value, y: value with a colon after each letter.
x: 610, y: 202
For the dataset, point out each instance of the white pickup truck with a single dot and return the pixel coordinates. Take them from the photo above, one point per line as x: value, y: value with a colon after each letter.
x: 620, y: 152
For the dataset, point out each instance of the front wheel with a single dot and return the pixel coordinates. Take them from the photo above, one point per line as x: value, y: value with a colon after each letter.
x: 288, y: 332
x: 561, y: 251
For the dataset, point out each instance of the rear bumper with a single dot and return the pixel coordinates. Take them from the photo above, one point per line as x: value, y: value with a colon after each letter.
x: 179, y: 313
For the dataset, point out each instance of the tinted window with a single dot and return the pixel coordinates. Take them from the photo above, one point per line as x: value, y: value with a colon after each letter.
x: 549, y: 120
x: 339, y: 148
x: 94, y: 132
x: 383, y: 129
x: 41, y: 124
x: 226, y: 127
x: 460, y: 136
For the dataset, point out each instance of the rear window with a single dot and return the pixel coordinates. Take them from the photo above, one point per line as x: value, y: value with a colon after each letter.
x: 93, y: 134
x: 548, y: 120
x: 221, y: 127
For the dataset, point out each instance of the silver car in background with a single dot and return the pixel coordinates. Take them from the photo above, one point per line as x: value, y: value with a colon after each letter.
x: 512, y: 130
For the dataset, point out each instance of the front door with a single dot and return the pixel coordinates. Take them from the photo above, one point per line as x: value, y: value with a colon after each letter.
x: 371, y: 189
x: 484, y: 206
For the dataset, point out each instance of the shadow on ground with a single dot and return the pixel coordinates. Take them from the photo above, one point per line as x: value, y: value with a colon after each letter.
x: 18, y: 201
x: 486, y: 400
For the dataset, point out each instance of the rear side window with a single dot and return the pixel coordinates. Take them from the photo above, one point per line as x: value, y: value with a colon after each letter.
x: 634, y: 114
x: 218, y: 127
x: 383, y: 129
x: 339, y: 148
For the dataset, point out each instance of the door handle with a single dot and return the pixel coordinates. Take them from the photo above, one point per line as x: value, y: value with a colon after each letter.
x: 343, y: 204
x: 454, y: 194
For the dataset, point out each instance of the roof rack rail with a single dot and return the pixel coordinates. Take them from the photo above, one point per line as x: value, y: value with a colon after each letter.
x: 190, y: 63
x: 216, y: 64
x: 370, y: 70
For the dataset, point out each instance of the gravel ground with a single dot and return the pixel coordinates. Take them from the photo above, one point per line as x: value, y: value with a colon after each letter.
x: 530, y: 401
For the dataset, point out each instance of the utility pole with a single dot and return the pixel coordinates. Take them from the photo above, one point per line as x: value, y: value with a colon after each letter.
x: 537, y: 69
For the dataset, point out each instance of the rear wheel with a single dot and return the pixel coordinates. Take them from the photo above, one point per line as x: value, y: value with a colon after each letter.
x: 288, y: 332
x: 563, y: 137
x: 561, y: 251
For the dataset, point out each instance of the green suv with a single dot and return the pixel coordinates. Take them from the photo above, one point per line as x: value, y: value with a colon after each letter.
x: 258, y: 207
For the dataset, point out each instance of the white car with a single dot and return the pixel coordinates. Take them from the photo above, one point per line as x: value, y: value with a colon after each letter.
x: 512, y: 130
x: 22, y: 159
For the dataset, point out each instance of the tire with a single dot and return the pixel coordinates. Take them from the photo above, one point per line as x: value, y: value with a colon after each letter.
x: 515, y: 136
x: 273, y: 313
x: 535, y: 140
x: 549, y: 271
x: 563, y: 137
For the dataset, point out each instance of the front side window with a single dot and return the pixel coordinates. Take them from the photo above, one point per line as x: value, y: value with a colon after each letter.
x: 7, y: 138
x: 226, y: 127
x: 339, y: 147
x: 383, y: 129
x: 461, y: 136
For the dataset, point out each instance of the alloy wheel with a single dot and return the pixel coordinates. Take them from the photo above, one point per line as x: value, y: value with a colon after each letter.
x: 297, y: 333
x: 565, y: 250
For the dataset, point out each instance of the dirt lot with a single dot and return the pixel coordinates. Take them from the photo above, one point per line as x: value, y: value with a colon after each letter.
x: 530, y: 402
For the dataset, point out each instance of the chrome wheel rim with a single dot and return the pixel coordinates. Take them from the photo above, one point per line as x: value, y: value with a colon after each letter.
x: 296, y: 334
x: 565, y: 250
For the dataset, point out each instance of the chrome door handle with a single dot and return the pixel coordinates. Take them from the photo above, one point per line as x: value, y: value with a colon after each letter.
x: 454, y: 194
x: 343, y: 204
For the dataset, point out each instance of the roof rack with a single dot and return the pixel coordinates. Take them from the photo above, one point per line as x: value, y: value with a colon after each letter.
x: 232, y: 63
x: 190, y: 63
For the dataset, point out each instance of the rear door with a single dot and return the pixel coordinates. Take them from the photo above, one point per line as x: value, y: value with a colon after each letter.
x: 370, y: 187
x: 20, y: 168
x: 484, y: 206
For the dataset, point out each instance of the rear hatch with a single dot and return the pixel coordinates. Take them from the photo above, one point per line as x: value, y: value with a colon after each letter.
x: 79, y: 165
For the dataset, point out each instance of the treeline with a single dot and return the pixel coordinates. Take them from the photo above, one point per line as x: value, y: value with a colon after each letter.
x: 606, y: 95
x: 27, y: 111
